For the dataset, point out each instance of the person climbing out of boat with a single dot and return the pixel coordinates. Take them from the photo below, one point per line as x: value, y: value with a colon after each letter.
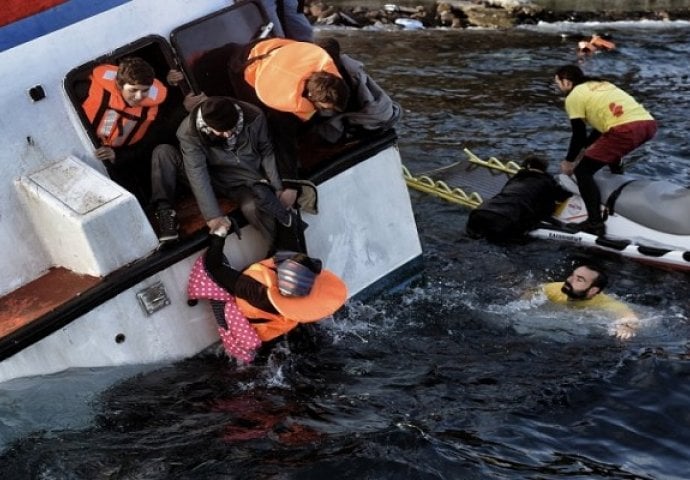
x: 125, y: 107
x: 266, y: 300
x: 369, y: 109
x: 528, y: 198
x: 620, y: 125
x: 297, y: 83
x: 225, y: 149
x: 594, y: 44
x: 583, y: 289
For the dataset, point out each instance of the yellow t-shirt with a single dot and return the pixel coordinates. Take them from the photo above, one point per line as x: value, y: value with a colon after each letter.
x: 600, y: 302
x: 603, y: 106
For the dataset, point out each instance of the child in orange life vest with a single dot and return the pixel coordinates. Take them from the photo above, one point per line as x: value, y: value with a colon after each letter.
x: 267, y: 299
x: 121, y: 106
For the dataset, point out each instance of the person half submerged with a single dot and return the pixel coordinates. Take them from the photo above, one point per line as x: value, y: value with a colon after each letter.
x: 583, y: 289
x: 267, y: 299
x: 527, y: 199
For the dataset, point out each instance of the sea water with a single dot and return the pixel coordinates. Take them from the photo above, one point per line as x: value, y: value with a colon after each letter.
x: 457, y: 376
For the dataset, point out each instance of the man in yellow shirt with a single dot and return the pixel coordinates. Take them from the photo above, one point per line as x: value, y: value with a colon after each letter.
x: 582, y: 289
x: 620, y: 124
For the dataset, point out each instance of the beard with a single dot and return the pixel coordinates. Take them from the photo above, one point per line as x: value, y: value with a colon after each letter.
x: 567, y: 288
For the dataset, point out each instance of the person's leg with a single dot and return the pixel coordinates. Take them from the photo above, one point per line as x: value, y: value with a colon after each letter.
x: 584, y: 172
x: 166, y: 169
x: 295, y: 24
x: 249, y: 206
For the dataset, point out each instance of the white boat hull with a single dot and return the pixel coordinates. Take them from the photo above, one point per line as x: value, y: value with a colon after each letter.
x: 56, y: 212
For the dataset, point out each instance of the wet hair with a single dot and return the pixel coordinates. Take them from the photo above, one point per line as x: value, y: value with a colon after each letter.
x: 135, y: 71
x: 535, y: 163
x: 331, y: 45
x: 602, y: 280
x: 327, y: 88
x: 575, y: 75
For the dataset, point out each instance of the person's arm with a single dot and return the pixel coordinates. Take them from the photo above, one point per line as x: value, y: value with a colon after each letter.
x: 578, y: 141
x: 626, y: 320
x: 238, y: 284
x: 196, y: 169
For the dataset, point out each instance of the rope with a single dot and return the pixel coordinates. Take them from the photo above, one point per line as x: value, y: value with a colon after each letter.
x: 440, y: 189
x: 494, y: 163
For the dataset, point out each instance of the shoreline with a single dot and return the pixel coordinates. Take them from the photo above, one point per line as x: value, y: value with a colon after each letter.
x: 499, y: 14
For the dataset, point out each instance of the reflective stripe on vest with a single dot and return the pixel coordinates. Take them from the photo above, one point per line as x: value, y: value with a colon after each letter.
x: 115, y: 123
x: 278, y: 69
x: 275, y: 324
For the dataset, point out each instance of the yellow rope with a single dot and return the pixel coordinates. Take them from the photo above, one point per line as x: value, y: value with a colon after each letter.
x: 493, y: 162
x: 440, y: 189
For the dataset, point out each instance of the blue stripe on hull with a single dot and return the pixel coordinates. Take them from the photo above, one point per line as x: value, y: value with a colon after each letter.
x: 53, y: 19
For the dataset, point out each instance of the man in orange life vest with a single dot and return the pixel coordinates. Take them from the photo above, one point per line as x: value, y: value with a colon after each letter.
x: 266, y: 300
x: 299, y: 83
x: 124, y: 109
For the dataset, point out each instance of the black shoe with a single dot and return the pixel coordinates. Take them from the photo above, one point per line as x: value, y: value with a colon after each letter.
x: 167, y: 224
x: 595, y: 228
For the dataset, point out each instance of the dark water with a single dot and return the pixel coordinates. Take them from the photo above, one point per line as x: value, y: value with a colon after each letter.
x: 454, y: 377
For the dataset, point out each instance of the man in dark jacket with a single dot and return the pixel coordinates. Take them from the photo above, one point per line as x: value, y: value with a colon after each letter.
x: 529, y: 197
x: 226, y: 150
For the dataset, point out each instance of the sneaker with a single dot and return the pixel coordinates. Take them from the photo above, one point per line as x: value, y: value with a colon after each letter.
x: 167, y: 224
x: 595, y: 228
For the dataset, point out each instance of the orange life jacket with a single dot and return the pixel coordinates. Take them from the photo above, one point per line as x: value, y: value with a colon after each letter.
x: 117, y: 124
x: 264, y: 272
x: 278, y: 69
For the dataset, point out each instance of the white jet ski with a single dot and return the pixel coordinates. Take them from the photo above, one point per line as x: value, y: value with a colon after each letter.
x: 646, y: 220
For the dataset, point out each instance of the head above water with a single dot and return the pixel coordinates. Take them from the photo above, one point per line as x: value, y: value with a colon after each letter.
x: 585, y: 282
x: 535, y: 163
x: 134, y: 79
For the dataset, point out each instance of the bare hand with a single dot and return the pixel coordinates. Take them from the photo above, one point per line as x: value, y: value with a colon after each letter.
x: 105, y: 154
x: 218, y: 223
x: 625, y: 331
x: 567, y: 167
x: 288, y: 197
x: 174, y: 77
x: 191, y: 100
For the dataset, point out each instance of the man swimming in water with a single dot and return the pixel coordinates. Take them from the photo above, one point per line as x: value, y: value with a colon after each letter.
x: 582, y: 289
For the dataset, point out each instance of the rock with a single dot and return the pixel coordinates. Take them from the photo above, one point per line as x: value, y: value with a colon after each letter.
x: 464, y: 13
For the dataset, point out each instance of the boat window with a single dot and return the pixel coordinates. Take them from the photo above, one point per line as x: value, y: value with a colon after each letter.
x: 154, y: 49
x: 206, y: 45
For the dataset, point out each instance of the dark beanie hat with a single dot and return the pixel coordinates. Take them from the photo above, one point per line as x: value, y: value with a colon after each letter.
x: 219, y: 113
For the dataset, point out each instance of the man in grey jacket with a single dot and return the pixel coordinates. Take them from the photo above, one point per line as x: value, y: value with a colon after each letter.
x: 226, y: 150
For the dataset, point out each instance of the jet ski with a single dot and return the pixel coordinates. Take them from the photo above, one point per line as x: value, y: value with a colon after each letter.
x: 646, y: 220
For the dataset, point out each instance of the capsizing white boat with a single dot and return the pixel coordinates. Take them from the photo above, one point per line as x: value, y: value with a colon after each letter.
x: 84, y: 282
x: 646, y: 220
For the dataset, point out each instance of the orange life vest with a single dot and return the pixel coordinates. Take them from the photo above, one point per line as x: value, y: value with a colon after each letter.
x: 264, y: 272
x: 278, y: 69
x: 117, y: 124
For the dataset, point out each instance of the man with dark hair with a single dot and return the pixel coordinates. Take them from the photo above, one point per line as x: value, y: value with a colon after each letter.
x: 226, y: 150
x: 583, y: 289
x: 528, y: 198
x: 369, y: 109
x: 620, y: 124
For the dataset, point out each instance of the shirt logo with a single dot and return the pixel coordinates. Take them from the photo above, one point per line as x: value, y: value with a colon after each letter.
x: 616, y: 110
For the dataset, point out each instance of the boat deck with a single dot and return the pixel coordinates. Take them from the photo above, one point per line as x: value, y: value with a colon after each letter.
x: 58, y: 286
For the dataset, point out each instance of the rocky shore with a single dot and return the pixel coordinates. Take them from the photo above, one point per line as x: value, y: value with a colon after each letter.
x: 476, y: 13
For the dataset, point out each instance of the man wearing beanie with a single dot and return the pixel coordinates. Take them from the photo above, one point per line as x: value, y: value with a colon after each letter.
x: 226, y: 150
